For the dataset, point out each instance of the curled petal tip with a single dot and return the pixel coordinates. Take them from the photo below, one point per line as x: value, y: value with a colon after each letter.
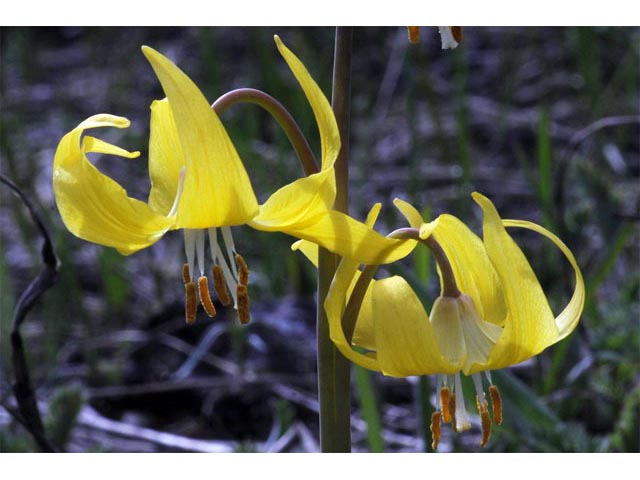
x: 477, y: 196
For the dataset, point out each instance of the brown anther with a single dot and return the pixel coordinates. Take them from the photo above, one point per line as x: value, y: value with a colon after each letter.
x: 414, y: 34
x: 486, y: 427
x: 243, y: 270
x: 220, y: 286
x: 457, y: 33
x: 496, y: 404
x: 186, y: 273
x: 445, y: 396
x: 191, y: 302
x: 485, y: 420
x: 452, y: 411
x: 243, y: 305
x: 205, y: 298
x: 435, y: 429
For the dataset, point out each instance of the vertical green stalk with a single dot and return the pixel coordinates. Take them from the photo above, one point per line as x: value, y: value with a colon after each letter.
x: 333, y: 368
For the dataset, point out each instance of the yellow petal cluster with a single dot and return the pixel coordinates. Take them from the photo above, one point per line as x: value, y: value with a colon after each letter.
x: 502, y: 317
x: 199, y: 182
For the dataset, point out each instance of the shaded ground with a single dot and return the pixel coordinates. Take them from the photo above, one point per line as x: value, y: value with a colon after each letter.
x: 544, y: 121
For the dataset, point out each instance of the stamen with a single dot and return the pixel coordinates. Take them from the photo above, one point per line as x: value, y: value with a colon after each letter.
x: 414, y: 34
x: 220, y: 286
x: 496, y: 404
x: 231, y: 248
x: 199, y: 235
x: 243, y: 270
x: 485, y: 421
x: 191, y: 302
x: 452, y: 412
x: 190, y: 246
x: 445, y: 397
x: 243, y: 304
x: 435, y: 430
x: 186, y: 274
x: 462, y: 420
x: 205, y: 298
x: 457, y: 33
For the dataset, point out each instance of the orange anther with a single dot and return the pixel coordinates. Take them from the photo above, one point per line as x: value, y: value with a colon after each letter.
x: 414, y: 34
x: 243, y: 270
x: 243, y: 304
x: 486, y: 427
x: 191, y: 302
x: 445, y: 396
x: 205, y: 298
x: 452, y: 411
x: 186, y: 273
x: 435, y: 430
x: 220, y: 286
x: 457, y: 33
x: 496, y: 404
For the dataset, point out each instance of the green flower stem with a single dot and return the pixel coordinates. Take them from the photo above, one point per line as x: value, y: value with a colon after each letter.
x: 279, y: 113
x: 333, y: 369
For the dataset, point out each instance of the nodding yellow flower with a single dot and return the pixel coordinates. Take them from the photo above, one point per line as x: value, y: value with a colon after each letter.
x: 199, y: 184
x: 492, y: 312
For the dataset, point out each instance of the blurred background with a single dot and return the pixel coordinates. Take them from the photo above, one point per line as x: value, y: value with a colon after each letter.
x: 545, y: 121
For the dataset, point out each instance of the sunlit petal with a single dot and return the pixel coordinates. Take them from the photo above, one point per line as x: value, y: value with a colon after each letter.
x: 529, y: 326
x: 217, y: 190
x: 329, y: 134
x: 310, y: 249
x: 406, y: 344
x: 293, y: 205
x: 95, y: 207
x: 570, y: 315
x: 165, y: 157
x: 413, y: 216
x: 341, y: 234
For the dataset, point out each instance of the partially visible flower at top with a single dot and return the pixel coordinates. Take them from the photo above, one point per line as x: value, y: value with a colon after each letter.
x: 492, y: 312
x: 449, y: 36
x: 199, y: 184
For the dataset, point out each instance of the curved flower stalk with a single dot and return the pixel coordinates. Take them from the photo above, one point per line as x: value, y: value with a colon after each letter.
x: 492, y: 312
x: 199, y: 184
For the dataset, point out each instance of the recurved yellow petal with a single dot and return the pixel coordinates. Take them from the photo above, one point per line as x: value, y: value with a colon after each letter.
x: 409, y: 212
x: 165, y: 157
x: 335, y: 304
x: 329, y: 134
x: 217, y: 190
x: 293, y: 205
x: 310, y: 249
x: 405, y: 341
x: 472, y: 268
x: 341, y: 234
x: 529, y: 326
x: 95, y: 207
x: 570, y: 315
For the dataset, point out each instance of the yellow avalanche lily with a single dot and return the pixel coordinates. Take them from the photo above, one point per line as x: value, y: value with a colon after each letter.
x: 498, y: 316
x: 199, y: 184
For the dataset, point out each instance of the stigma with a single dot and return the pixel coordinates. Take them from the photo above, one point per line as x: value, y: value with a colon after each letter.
x: 450, y: 406
x: 229, y: 274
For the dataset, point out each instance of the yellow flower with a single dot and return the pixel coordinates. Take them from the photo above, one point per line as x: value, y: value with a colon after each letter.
x: 199, y: 184
x: 492, y: 312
